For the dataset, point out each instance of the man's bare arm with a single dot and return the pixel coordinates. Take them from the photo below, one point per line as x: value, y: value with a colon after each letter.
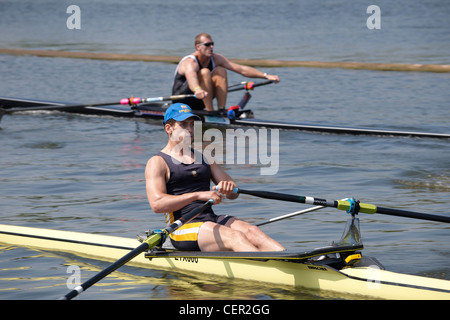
x: 223, y: 181
x: 160, y: 201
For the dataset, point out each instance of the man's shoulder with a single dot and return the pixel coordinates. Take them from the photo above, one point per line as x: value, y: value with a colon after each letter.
x: 190, y: 58
x: 156, y: 164
x: 156, y: 159
x: 219, y: 58
x: 187, y: 61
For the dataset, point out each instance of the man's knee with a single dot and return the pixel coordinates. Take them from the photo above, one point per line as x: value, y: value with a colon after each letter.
x: 204, y: 73
x: 254, y: 233
x: 253, y: 230
x: 220, y: 71
x: 237, y: 237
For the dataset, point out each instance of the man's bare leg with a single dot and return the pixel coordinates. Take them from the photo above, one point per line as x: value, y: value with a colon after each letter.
x: 216, y: 237
x: 255, y: 235
x: 216, y: 84
x: 204, y: 76
x: 220, y: 81
x: 236, y: 235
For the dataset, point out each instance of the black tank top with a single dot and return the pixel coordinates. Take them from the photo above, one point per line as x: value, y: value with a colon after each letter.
x: 180, y: 85
x: 185, y: 178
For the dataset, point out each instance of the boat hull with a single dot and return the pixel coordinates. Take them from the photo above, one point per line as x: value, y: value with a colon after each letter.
x: 155, y: 111
x: 364, y: 281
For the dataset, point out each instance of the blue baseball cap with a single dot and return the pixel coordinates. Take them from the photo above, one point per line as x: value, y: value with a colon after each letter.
x: 179, y: 112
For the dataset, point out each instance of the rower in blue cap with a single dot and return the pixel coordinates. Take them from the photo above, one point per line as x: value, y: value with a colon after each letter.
x: 179, y: 112
x: 177, y: 184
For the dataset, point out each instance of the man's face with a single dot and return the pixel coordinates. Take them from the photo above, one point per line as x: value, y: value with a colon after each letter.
x: 183, y: 131
x: 206, y: 46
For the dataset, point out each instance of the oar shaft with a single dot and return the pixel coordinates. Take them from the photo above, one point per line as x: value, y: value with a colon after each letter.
x: 169, y: 98
x: 370, y: 208
x: 343, y: 205
x: 412, y: 214
x: 58, y: 107
x: 125, y: 101
x: 99, y: 276
x: 290, y: 198
x: 148, y: 243
x: 189, y: 216
x: 248, y: 85
x: 289, y: 215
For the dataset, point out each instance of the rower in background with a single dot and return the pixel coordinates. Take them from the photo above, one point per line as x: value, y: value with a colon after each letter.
x: 204, y: 73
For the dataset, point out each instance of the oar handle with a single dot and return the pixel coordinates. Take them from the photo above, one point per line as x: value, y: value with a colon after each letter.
x: 273, y: 195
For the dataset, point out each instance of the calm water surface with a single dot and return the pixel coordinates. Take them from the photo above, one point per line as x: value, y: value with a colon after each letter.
x: 86, y: 173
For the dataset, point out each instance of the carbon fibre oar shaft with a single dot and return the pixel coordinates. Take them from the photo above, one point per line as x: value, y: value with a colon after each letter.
x: 344, y: 205
x: 149, y: 243
x: 126, y: 101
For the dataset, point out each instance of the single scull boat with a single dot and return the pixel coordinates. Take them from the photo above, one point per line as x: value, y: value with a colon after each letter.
x: 338, y: 268
x: 236, y: 116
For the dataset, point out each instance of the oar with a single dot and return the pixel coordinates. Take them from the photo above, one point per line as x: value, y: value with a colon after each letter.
x: 244, y: 85
x: 247, y: 85
x: 347, y: 205
x: 152, y: 241
x: 126, y: 101
x: 290, y: 215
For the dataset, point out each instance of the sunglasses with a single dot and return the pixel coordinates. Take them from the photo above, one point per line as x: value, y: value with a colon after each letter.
x: 207, y: 44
